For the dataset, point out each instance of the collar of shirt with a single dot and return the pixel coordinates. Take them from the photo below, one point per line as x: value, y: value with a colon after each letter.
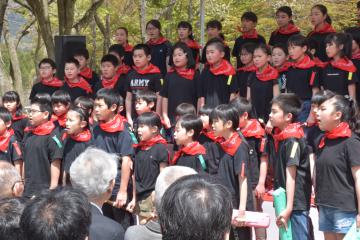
x: 99, y: 208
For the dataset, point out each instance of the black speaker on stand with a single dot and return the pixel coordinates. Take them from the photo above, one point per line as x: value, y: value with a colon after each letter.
x: 64, y: 48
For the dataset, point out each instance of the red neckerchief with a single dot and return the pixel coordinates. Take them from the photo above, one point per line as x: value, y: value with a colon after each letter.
x: 254, y: 129
x: 61, y: 119
x: 42, y: 130
x: 304, y: 63
x: 148, y: 70
x: 344, y: 64
x: 269, y: 73
x: 211, y: 135
x: 82, y: 83
x: 115, y: 125
x: 289, y: 29
x: 127, y: 47
x: 193, y: 44
x: 249, y: 35
x: 159, y: 41
x: 110, y: 83
x: 327, y: 28
x: 231, y: 145
x: 356, y: 56
x: 84, y: 136
x: 187, y: 73
x: 54, y: 82
x: 340, y: 131
x: 250, y: 68
x: 123, y: 69
x: 86, y: 73
x: 144, y: 145
x: 5, y: 139
x: 192, y: 149
x: 284, y: 67
x: 16, y: 118
x: 224, y: 68
x: 320, y: 63
x: 293, y: 130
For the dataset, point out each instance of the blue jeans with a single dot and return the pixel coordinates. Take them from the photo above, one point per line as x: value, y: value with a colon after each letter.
x: 301, y: 225
x: 335, y: 220
x: 305, y: 111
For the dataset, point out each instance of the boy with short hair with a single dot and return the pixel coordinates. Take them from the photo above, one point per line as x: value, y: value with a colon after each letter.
x: 119, y: 52
x: 60, y: 101
x: 291, y: 165
x: 112, y: 136
x: 145, y: 101
x: 82, y: 55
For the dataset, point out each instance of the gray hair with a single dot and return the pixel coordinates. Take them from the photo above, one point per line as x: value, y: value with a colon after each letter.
x: 166, y: 177
x: 8, y: 177
x: 92, y: 172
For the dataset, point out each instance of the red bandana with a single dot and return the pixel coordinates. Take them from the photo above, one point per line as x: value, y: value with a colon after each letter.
x: 211, y: 135
x: 159, y: 41
x: 110, y: 83
x: 84, y: 136
x: 54, y: 82
x: 254, y: 129
x: 293, y: 130
x: 356, y: 56
x: 42, y: 130
x: 16, y: 118
x: 115, y: 125
x: 249, y: 35
x: 225, y: 68
x: 327, y: 28
x: 123, y: 69
x: 192, y: 149
x: 231, y: 145
x: 127, y: 47
x: 250, y: 68
x: 269, y: 73
x: 61, y: 119
x: 150, y: 69
x: 284, y: 67
x: 86, y: 73
x: 304, y: 63
x: 5, y: 140
x: 320, y: 63
x: 289, y: 29
x: 341, y: 131
x: 82, y: 83
x: 187, y: 73
x: 193, y: 44
x: 344, y: 64
x: 144, y: 145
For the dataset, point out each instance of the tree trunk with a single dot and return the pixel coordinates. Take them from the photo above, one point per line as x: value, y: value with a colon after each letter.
x: 143, y: 19
x: 3, y: 5
x: 107, y: 37
x: 93, y: 35
x: 66, y: 10
x: 190, y: 11
x: 5, y: 79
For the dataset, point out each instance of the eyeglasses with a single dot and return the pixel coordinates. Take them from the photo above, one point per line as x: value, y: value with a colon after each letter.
x: 32, y: 111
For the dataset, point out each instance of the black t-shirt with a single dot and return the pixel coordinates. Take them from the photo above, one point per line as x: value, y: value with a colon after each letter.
x: 301, y: 81
x: 93, y: 80
x: 357, y: 65
x: 41, y: 88
x: 212, y: 153
x: 128, y: 59
x: 279, y: 38
x: 261, y: 93
x: 335, y: 186
x: 159, y: 53
x: 216, y: 88
x: 294, y: 152
x: 337, y: 80
x: 241, y: 41
x: 242, y: 78
x: 147, y: 168
x: 119, y: 143
x: 13, y: 152
x: 119, y: 86
x: 38, y: 154
x: 74, y: 92
x: 72, y: 149
x: 193, y: 161
x: 313, y: 136
x: 179, y: 90
x: 18, y: 126
x: 319, y: 38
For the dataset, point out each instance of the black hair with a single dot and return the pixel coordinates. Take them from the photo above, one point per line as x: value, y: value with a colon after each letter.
x: 205, y: 110
x: 150, y: 119
x: 214, y: 24
x: 195, y: 207
x: 225, y: 112
x: 43, y: 100
x: 41, y: 97
x: 263, y: 47
x: 187, y: 25
x: 58, y: 214
x: 118, y: 49
x: 185, y: 108
x: 321, y: 96
x: 288, y: 103
x: 13, y: 96
x: 110, y: 97
x: 156, y: 23
x: 355, y: 33
x: 323, y: 9
x: 125, y: 30
x: 5, y: 115
x: 83, y: 114
x: 83, y: 52
x: 312, y: 44
x: 85, y: 103
x: 48, y: 61
x: 341, y: 39
x: 191, y: 122
x: 143, y: 47
x: 285, y: 9
x: 111, y: 59
x: 190, y: 58
x: 242, y: 105
x: 250, y: 16
x: 73, y: 60
x: 147, y: 95
x: 281, y: 46
x: 217, y: 43
x: 248, y: 47
x: 60, y: 96
x: 11, y: 210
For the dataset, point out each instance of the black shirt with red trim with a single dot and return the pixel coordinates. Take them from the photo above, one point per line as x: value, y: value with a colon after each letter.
x: 319, y: 38
x: 212, y: 153
x: 41, y: 88
x: 18, y: 126
x: 74, y: 92
x: 93, y: 80
x: 357, y: 65
x: 119, y: 86
x: 313, y: 136
x: 337, y: 80
x: 241, y: 41
x: 159, y: 53
x: 192, y: 161
x: 301, y: 81
x: 13, y: 152
x: 72, y: 149
x: 279, y: 38
x: 242, y: 78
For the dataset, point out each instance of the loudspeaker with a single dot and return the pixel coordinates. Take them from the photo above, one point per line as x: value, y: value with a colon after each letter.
x: 64, y: 48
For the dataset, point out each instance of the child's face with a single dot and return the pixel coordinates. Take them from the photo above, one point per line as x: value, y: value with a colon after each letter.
x: 218, y: 126
x: 59, y: 108
x: 82, y: 61
x: 152, y: 32
x: 212, y: 32
x: 296, y: 52
x: 317, y: 17
x: 243, y: 120
x: 46, y: 71
x: 282, y: 19
x: 11, y: 106
x: 145, y: 132
x: 102, y: 111
x: 247, y: 25
x: 179, y: 58
x: 36, y: 116
x: 205, y: 120
x: 142, y: 106
x: 354, y: 46
x: 71, y: 71
x: 213, y: 55
x: 108, y: 70
x: 74, y: 125
x: 327, y: 116
x: 332, y: 50
x: 246, y: 58
x: 278, y: 57
x: 184, y: 33
x: 120, y: 36
x: 181, y: 136
x: 140, y: 58
x: 260, y: 58
x: 3, y: 126
x: 277, y: 117
x: 314, y: 109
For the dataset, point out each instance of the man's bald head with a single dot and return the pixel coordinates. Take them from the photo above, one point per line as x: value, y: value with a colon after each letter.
x: 9, y: 181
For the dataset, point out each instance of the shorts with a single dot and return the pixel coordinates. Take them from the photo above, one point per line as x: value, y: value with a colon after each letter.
x: 335, y: 220
x: 145, y: 208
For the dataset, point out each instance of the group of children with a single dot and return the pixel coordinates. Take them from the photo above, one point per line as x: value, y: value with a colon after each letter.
x: 285, y: 117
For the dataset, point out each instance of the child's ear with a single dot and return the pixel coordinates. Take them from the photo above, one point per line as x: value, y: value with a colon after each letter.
x: 190, y: 133
x: 151, y: 105
x: 83, y: 124
x: 113, y: 108
x: 120, y: 109
x: 313, y: 51
x: 148, y: 57
x: 304, y: 48
x: 222, y: 54
x: 341, y: 46
x: 8, y: 124
x: 154, y: 129
x: 46, y: 115
x: 289, y: 117
x: 338, y: 115
x: 228, y: 124
x: 245, y: 115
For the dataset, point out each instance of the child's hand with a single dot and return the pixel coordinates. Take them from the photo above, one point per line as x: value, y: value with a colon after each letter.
x: 131, y: 206
x: 121, y: 199
x: 239, y: 220
x: 268, y: 127
x: 358, y: 221
x: 260, y: 190
x: 283, y: 218
x: 167, y: 122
